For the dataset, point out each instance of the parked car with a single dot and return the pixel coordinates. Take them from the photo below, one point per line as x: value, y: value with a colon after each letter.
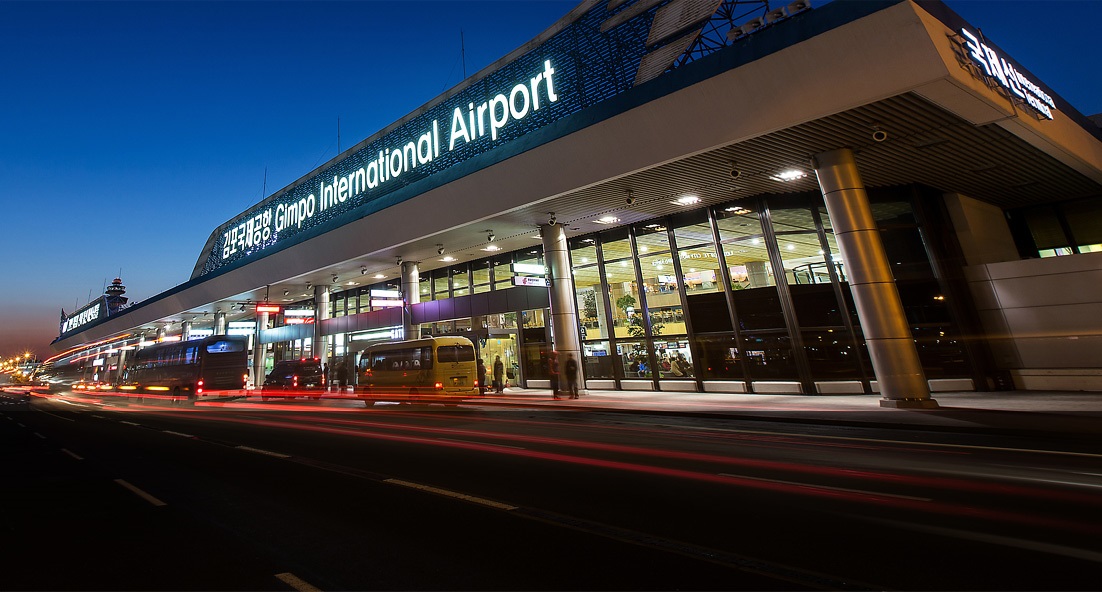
x: 291, y: 376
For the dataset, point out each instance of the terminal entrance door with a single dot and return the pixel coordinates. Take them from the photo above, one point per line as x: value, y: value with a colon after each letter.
x: 502, y: 342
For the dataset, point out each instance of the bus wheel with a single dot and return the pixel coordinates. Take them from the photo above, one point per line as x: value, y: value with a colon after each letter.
x: 369, y: 402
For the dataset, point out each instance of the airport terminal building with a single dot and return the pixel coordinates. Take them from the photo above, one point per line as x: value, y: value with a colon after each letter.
x: 687, y: 195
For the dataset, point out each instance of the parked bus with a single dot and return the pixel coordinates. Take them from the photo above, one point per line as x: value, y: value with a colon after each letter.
x: 189, y: 369
x: 434, y: 367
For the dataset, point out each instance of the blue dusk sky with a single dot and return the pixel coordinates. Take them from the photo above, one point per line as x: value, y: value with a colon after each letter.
x: 130, y: 130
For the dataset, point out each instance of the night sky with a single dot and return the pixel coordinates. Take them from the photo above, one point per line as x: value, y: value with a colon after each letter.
x: 129, y: 131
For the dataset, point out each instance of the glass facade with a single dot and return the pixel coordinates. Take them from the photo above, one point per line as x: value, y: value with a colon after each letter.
x: 749, y: 291
x: 754, y: 290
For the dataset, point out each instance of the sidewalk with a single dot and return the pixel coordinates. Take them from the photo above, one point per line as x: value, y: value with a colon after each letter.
x: 1065, y: 415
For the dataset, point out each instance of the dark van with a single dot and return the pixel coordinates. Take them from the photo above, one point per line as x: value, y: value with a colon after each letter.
x: 289, y: 377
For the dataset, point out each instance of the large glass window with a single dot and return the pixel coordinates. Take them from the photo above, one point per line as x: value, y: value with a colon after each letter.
x: 461, y: 280
x: 770, y: 357
x: 480, y: 276
x: 719, y: 356
x: 425, y: 285
x: 674, y: 358
x: 599, y: 360
x: 591, y: 302
x: 503, y: 271
x: 627, y: 312
x: 440, y: 288
x: 634, y: 360
x: 663, y: 298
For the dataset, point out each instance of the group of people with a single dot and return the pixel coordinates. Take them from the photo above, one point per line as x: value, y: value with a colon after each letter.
x: 499, y: 376
x: 570, y: 370
x: 676, y: 365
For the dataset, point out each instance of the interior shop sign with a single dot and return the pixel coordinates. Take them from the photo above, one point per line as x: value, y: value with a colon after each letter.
x: 998, y: 68
x: 466, y: 125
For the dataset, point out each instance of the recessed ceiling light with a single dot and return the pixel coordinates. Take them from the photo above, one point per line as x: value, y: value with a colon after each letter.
x: 448, y: 259
x: 737, y: 210
x: 607, y: 220
x: 687, y: 200
x: 788, y: 175
x: 492, y: 248
x: 379, y: 276
x: 643, y: 248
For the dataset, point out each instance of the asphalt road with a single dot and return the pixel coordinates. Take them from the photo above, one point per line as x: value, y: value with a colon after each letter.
x: 328, y: 495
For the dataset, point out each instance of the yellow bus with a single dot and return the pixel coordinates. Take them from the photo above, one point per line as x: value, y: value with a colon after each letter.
x: 429, y: 368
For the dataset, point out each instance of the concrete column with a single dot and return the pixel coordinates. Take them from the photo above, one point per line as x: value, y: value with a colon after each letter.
x: 160, y: 334
x: 219, y: 323
x: 887, y: 334
x: 756, y: 274
x: 411, y: 294
x: 185, y: 331
x: 321, y: 313
x: 258, y: 350
x: 564, y: 312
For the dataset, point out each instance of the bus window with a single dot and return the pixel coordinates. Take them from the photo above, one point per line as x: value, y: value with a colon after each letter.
x: 455, y: 353
x: 225, y: 346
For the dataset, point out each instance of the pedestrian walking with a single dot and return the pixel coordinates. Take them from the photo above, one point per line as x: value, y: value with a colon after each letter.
x: 553, y: 372
x: 328, y: 378
x: 571, y: 370
x: 481, y: 376
x: 499, y: 375
x: 342, y: 376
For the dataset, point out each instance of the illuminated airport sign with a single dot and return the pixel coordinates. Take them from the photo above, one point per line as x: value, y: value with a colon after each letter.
x: 997, y: 68
x: 94, y: 311
x: 469, y: 127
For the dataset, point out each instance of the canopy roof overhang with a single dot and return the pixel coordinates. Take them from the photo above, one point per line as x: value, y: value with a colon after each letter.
x: 897, y: 70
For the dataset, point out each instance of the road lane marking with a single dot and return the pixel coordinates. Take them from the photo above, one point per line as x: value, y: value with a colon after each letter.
x: 145, y: 496
x: 815, y: 486
x: 262, y: 451
x: 20, y: 425
x: 296, y: 582
x: 482, y: 443
x: 98, y: 416
x: 72, y: 454
x: 54, y: 414
x: 900, y: 442
x: 994, y: 539
x: 181, y: 434
x: 130, y: 423
x: 40, y: 435
x: 454, y: 494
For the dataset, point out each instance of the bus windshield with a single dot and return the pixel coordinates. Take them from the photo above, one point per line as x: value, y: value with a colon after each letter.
x: 455, y: 353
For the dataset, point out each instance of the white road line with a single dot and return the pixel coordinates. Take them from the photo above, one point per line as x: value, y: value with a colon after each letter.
x: 130, y: 423
x: 54, y: 414
x: 20, y: 425
x: 816, y: 486
x: 178, y: 434
x: 482, y: 443
x: 994, y: 539
x: 72, y: 454
x: 40, y: 435
x: 454, y: 494
x: 901, y: 442
x: 262, y: 451
x: 145, y: 496
x: 98, y: 416
x: 296, y: 582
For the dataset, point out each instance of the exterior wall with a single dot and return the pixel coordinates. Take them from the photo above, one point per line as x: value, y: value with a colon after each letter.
x: 981, y: 230
x: 1043, y: 319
